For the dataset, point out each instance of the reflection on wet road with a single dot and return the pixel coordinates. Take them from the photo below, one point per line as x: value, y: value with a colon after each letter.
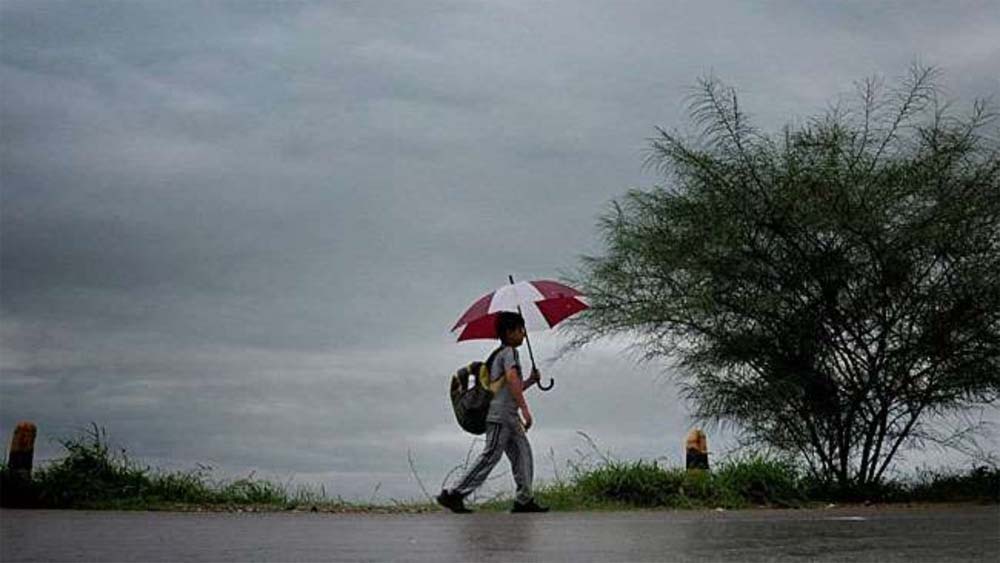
x: 956, y: 533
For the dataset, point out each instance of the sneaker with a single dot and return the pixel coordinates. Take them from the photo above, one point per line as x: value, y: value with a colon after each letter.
x: 452, y: 501
x: 530, y: 506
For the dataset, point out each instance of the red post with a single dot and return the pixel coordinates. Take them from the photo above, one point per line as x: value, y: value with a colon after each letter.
x: 22, y: 450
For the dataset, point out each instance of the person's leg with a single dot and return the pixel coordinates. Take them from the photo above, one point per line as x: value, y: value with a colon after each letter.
x: 497, y: 436
x: 521, y: 463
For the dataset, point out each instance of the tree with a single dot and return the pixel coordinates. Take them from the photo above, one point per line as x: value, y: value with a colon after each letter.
x: 829, y: 291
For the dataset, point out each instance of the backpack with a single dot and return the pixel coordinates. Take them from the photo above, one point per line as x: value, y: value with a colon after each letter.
x: 471, y: 404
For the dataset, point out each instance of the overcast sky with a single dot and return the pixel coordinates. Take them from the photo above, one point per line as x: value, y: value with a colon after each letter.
x: 237, y: 233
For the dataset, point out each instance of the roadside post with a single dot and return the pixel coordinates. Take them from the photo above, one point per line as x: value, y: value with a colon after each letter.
x: 696, y: 445
x: 22, y: 450
x: 17, y: 489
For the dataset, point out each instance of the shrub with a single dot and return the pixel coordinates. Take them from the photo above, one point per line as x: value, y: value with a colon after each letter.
x: 250, y: 491
x: 980, y: 483
x: 761, y: 479
x: 638, y: 483
x: 89, y: 473
x: 184, y: 487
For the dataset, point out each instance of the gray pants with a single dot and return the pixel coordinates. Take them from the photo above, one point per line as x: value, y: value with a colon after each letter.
x: 502, y: 438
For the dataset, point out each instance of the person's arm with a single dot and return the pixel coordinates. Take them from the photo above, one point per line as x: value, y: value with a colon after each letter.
x: 514, y: 382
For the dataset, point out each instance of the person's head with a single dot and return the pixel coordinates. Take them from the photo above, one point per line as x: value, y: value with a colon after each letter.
x: 510, y: 328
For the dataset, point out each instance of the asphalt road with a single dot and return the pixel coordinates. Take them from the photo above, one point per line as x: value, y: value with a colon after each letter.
x: 955, y: 533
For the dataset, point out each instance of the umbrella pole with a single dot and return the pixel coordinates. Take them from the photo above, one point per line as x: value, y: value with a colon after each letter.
x: 531, y: 354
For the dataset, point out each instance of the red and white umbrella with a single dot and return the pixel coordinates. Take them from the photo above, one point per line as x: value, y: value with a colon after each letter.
x: 542, y: 303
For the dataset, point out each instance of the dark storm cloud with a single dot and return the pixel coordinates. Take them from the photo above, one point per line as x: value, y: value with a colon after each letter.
x: 238, y: 232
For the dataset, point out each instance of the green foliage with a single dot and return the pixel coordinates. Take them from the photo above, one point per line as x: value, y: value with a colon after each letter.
x: 182, y: 487
x: 979, y: 484
x: 249, y: 491
x: 637, y: 483
x: 755, y: 480
x: 568, y: 496
x: 829, y: 289
x: 92, y: 475
x: 762, y: 480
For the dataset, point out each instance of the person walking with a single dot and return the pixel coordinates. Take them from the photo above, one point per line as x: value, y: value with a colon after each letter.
x: 506, y: 432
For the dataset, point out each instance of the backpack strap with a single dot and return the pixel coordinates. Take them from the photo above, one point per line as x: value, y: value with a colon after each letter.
x: 484, y: 374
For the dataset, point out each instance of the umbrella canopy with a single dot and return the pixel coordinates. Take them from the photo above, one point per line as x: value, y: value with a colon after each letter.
x: 543, y: 303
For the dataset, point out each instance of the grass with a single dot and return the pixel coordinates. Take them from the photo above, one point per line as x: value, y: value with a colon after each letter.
x: 740, y: 483
x: 93, y: 476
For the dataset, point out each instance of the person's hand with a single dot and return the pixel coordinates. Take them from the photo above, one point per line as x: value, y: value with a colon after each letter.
x: 527, y: 421
x: 536, y: 376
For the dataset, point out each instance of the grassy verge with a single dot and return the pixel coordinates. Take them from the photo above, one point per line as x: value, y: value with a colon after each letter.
x: 617, y: 485
x: 93, y: 476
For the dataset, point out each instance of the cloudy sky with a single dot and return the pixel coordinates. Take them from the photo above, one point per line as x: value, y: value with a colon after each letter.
x: 237, y: 233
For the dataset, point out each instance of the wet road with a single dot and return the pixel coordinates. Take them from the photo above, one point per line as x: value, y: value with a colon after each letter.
x: 964, y: 533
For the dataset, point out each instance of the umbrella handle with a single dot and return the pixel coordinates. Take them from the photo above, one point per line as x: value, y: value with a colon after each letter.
x: 552, y: 382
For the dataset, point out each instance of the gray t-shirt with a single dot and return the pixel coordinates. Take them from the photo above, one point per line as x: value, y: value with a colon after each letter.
x: 503, y: 407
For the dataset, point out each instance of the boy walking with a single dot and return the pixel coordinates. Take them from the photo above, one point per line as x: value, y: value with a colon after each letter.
x: 506, y: 432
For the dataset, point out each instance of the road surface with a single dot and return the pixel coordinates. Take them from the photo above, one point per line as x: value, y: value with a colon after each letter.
x: 951, y: 533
